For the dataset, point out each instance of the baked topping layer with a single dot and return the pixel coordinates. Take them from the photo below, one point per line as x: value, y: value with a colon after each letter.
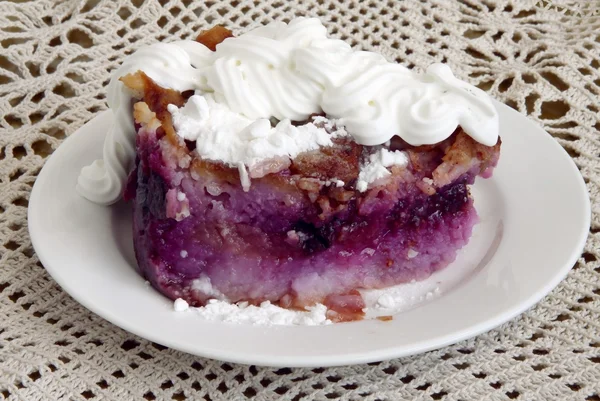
x: 289, y: 72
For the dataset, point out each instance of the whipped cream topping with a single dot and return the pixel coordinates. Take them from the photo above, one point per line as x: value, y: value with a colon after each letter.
x: 170, y: 65
x: 290, y: 71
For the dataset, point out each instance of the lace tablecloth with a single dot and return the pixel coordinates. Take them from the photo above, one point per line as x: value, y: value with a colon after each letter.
x: 541, y: 58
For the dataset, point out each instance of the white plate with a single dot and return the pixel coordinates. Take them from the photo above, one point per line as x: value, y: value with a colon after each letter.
x: 535, y: 218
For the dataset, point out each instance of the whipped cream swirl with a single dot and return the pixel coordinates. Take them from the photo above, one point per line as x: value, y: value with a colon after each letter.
x: 169, y: 65
x: 290, y: 71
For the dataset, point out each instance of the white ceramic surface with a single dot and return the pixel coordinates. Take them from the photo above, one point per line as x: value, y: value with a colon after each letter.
x: 535, y: 219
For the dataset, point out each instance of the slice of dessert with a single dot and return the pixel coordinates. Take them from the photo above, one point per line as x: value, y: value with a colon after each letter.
x: 281, y: 165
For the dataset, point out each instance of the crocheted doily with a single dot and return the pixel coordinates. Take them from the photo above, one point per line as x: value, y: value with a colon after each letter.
x: 539, y: 57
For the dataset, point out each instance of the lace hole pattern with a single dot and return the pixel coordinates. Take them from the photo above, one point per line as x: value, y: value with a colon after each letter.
x: 540, y: 57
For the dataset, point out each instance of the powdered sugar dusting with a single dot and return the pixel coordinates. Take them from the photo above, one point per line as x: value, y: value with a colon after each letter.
x: 266, y: 314
x: 180, y: 305
x: 223, y: 135
x: 376, y: 167
x: 335, y: 126
x: 203, y: 285
x: 335, y: 182
x: 398, y: 298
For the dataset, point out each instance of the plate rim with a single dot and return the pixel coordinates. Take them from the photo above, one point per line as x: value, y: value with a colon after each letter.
x: 433, y: 342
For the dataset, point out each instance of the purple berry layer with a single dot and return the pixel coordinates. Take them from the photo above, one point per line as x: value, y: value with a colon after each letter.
x: 198, y: 235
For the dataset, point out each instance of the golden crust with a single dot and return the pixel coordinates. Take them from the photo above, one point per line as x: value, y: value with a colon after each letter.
x: 213, y: 36
x: 156, y: 98
x: 340, y: 161
x: 463, y: 153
